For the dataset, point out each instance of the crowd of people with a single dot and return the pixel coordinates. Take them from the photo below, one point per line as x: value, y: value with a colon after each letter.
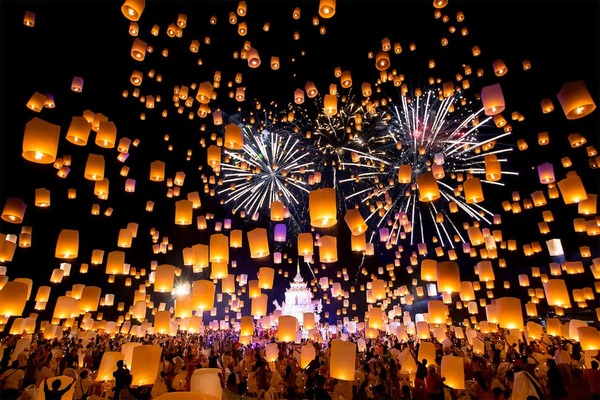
x: 529, y: 369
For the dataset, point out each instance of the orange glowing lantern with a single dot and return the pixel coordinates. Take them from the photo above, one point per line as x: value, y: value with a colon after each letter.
x: 67, y: 245
x: 40, y: 141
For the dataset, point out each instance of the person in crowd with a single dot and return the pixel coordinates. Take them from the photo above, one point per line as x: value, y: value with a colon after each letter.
x: 82, y: 387
x: 592, y: 377
x: 121, y: 376
x: 54, y: 392
x: 556, y: 387
x: 11, y: 381
x: 435, y: 383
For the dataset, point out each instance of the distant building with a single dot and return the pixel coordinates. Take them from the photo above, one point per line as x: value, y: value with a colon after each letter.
x: 298, y: 300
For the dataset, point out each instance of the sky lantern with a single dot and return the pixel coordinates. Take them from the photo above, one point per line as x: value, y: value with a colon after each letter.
x: 322, y: 207
x: 14, y: 210
x: 437, y: 311
x: 452, y: 368
x: 203, y: 292
x: 234, y: 137
x: 571, y: 188
x: 164, y: 278
x: 138, y: 49
x: 258, y: 242
x: 342, y: 360
x: 13, y: 297
x: 510, y: 314
x: 184, y: 210
x: 145, y: 364
x: 404, y: 173
x: 79, y: 131
x: 90, y: 297
x: 67, y: 245
x: 157, y: 171
x: 219, y: 248
x: 207, y: 383
x: 575, y: 100
x: 162, y: 322
x: 287, y: 327
x: 355, y: 221
x: 115, y: 262
x: 305, y: 244
x: 493, y: 99
x: 94, y: 167
x: 40, y: 141
x: 428, y: 187
x: 448, y: 276
x: 266, y: 275
x: 473, y: 190
x: 106, y: 135
x: 556, y: 293
x: 258, y: 307
x: 330, y: 104
x: 328, y: 249
x: 132, y: 9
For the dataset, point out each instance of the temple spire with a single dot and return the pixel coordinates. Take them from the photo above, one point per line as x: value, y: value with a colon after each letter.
x: 298, y: 277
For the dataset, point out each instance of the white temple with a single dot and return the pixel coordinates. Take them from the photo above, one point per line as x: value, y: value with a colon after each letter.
x: 298, y: 300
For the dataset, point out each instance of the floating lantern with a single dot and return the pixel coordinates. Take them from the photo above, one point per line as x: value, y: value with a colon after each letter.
x: 575, y: 100
x: 322, y: 208
x: 184, y: 212
x: 145, y: 364
x: 287, y: 327
x: 452, y: 368
x: 493, y: 99
x: 428, y: 187
x: 342, y: 360
x: 40, y: 141
x: 67, y: 245
x: 258, y: 243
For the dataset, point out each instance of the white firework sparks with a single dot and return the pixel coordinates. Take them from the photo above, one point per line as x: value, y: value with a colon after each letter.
x: 272, y: 166
x: 431, y: 134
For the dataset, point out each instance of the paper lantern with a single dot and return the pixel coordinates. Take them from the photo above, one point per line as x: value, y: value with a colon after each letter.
x: 404, y: 173
x: 258, y: 242
x: 328, y: 249
x: 287, y: 325
x: 13, y: 297
x: 485, y: 271
x: 213, y: 156
x: 556, y: 293
x: 428, y: 187
x: 376, y: 318
x: 589, y: 338
x: 14, y: 210
x: 203, y: 295
x: 423, y: 331
x: 219, y: 248
x: 308, y: 320
x: 40, y: 141
x: 573, y: 327
x: 492, y: 99
x: 575, y: 100
x: 259, y: 305
x: 145, y: 364
x: 65, y: 307
x: 322, y: 208
x: 234, y: 137
x: 106, y: 136
x: 448, y: 276
x: 207, y: 382
x: 305, y: 244
x: 138, y: 49
x: 510, y: 314
x: 132, y: 9
x: 571, y: 189
x: 247, y: 326
x: 162, y: 322
x: 452, y: 368
x: 342, y: 360
x: 90, y: 296
x: 36, y: 102
x: 67, y: 245
x: 330, y: 104
x: 164, y: 278
x: 266, y: 276
x: 327, y: 8
x: 437, y: 311
x: 157, y: 171
x: 355, y: 221
x: 473, y: 191
x: 184, y: 212
x: 79, y: 131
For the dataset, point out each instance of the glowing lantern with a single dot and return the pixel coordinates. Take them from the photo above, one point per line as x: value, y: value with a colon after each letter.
x: 277, y: 211
x: 14, y: 210
x: 138, y: 49
x: 493, y: 171
x: 452, y: 368
x: 247, y: 326
x: 157, y: 171
x: 132, y: 9
x: 287, y: 327
x: 473, y: 190
x: 219, y: 248
x: 493, y: 99
x: 79, y: 131
x: 13, y: 297
x: 206, y: 382
x: 213, y: 156
x: 90, y: 297
x: 115, y: 263
x: 94, y: 167
x: 404, y: 173
x: 355, y: 221
x: 164, y: 278
x: 556, y: 293
x: 342, y: 360
x: 203, y: 295
x: 67, y: 245
x: 571, y: 189
x: 589, y: 338
x: 510, y: 314
x: 40, y: 141
x: 259, y: 305
x: 305, y: 244
x: 258, y: 242
x: 437, y: 311
x: 428, y: 187
x: 145, y: 364
x: 328, y: 249
x: 423, y: 331
x: 162, y: 322
x: 448, y: 276
x: 184, y: 212
x: 106, y: 136
x: 330, y: 104
x: 234, y: 138
x: 327, y: 8
x: 575, y: 100
x: 77, y: 84
x: 322, y: 208
x: 265, y: 277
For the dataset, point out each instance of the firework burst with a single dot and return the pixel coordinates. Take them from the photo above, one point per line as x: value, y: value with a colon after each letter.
x: 428, y: 135
x: 273, y: 165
